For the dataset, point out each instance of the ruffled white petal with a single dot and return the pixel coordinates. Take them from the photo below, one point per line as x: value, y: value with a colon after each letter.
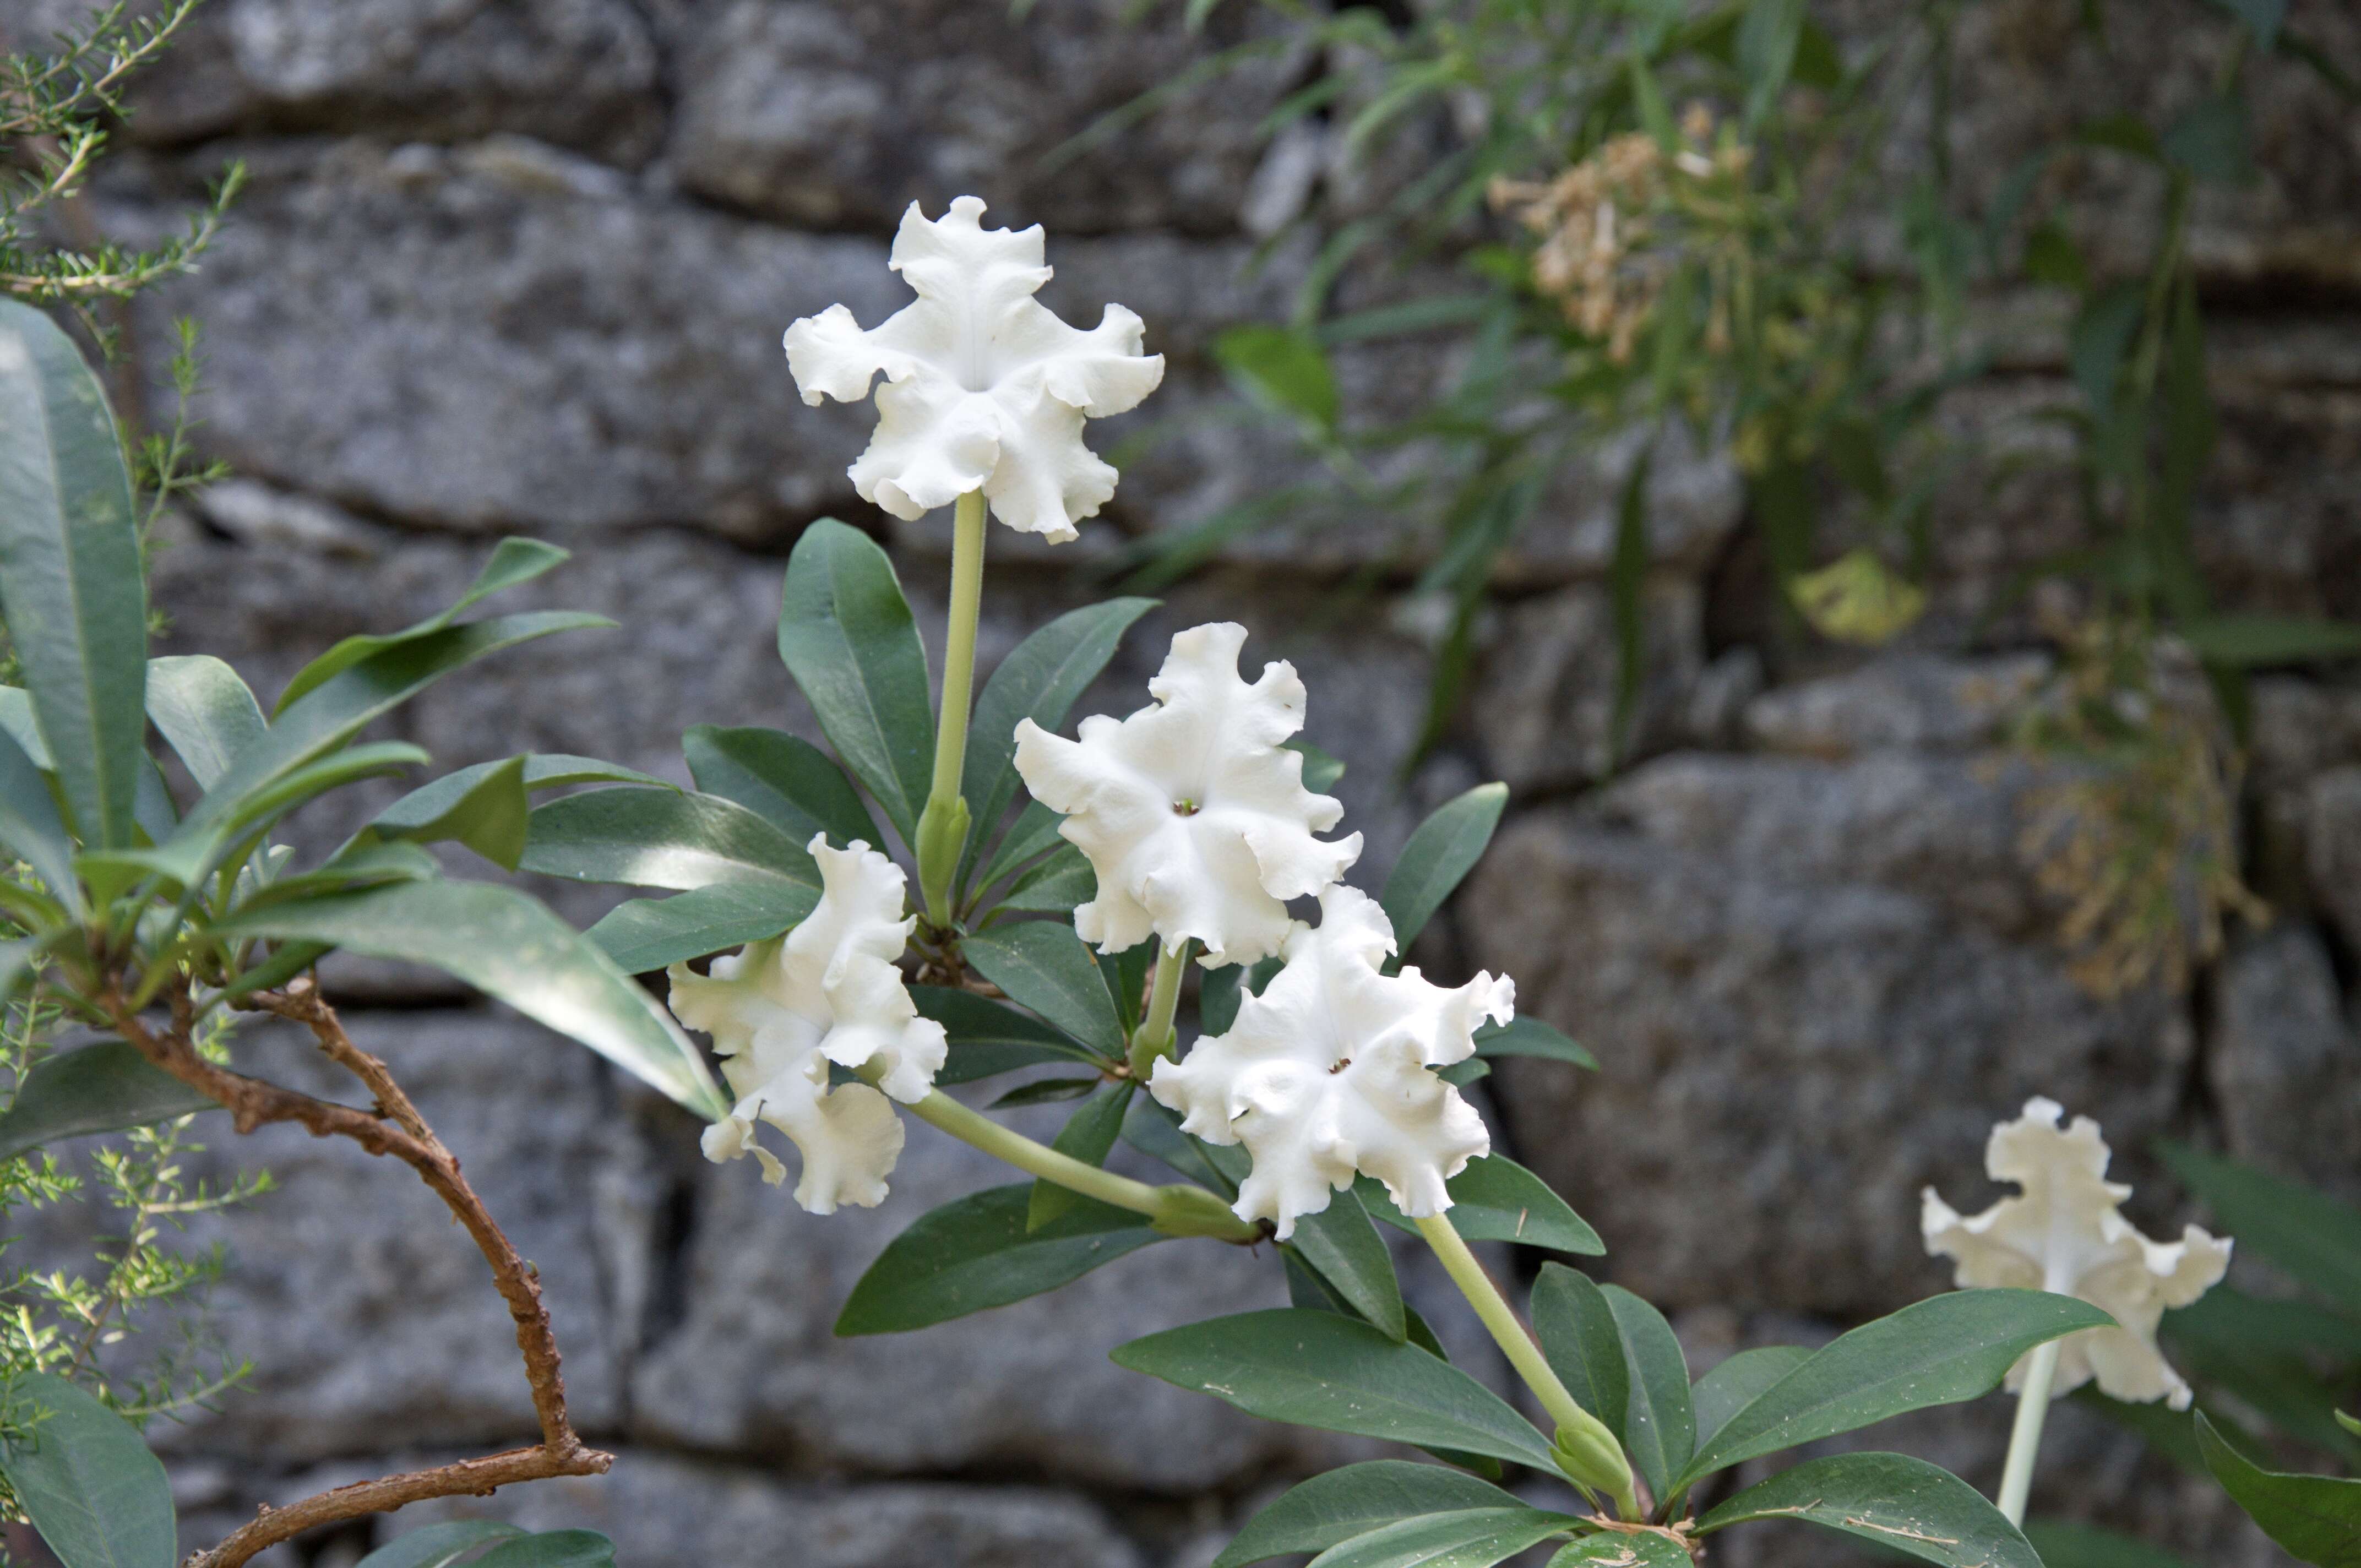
x: 781, y: 1011
x: 985, y: 388
x: 2064, y: 1231
x: 1191, y: 812
x: 1329, y: 1072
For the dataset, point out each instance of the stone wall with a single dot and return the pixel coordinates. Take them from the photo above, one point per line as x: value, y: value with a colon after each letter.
x: 521, y: 264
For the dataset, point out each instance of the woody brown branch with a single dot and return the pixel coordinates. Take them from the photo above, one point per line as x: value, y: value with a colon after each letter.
x: 392, y: 1127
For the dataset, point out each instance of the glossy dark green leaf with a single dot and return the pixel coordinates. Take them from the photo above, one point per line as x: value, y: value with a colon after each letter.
x: 85, y: 1479
x: 1497, y: 1200
x: 510, y: 947
x: 70, y: 581
x: 1659, y: 1427
x: 16, y: 719
x: 2300, y: 1228
x: 358, y: 865
x: 552, y: 1549
x: 2063, y: 1543
x: 203, y: 711
x: 1460, y: 1074
x: 1047, y: 1092
x: 1615, y: 1549
x: 438, y: 1545
x: 1054, y: 886
x: 664, y: 838
x: 1937, y: 1352
x: 1345, y: 1247
x: 976, y: 1252
x: 1321, y: 770
x: 489, y: 814
x: 1155, y: 1131
x: 847, y: 636
x: 30, y: 826
x: 1904, y: 1504
x: 782, y: 778
x: 514, y: 561
x: 1318, y: 1369
x: 1043, y: 965
x: 1090, y: 1135
x: 1525, y: 1036
x: 1336, y: 1507
x: 988, y: 1038
x: 1283, y: 370
x: 1034, y: 831
x: 93, y: 1089
x: 414, y: 814
x: 2262, y: 1355
x: 1737, y: 1381
x: 1579, y: 1338
x: 647, y: 933
x: 1038, y: 680
x: 2314, y: 1519
x: 1442, y: 850
x: 1472, y: 1538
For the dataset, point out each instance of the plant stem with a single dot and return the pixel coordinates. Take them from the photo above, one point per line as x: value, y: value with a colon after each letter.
x: 1176, y: 1209
x: 2025, y: 1437
x: 944, y: 826
x: 1580, y: 1434
x: 1156, y: 1035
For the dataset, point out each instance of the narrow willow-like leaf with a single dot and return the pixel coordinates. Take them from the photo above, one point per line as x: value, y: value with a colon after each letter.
x: 1581, y: 1342
x: 71, y: 582
x: 1353, y: 1501
x: 1529, y: 1037
x: 782, y: 778
x: 1659, y: 1427
x: 93, y: 1089
x: 203, y: 711
x: 977, y: 1251
x: 1045, y: 966
x: 1442, y: 850
x: 2316, y: 1518
x: 643, y: 935
x: 1088, y: 1136
x: 664, y: 838
x: 1345, y: 1247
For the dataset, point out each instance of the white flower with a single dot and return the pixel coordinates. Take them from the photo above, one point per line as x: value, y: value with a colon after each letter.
x: 1192, y: 812
x: 2063, y: 1233
x: 984, y: 388
x: 781, y: 1011
x: 1329, y: 1072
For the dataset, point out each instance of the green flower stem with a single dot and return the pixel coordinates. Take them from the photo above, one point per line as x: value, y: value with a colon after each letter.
x: 1594, y: 1459
x: 1156, y: 1035
x: 1175, y: 1209
x: 2025, y: 1437
x: 943, y: 826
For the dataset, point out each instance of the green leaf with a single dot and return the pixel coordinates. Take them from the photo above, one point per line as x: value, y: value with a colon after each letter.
x: 2208, y: 139
x: 29, y: 823
x: 1283, y: 371
x: 1047, y: 1092
x: 16, y: 719
x: 358, y: 865
x: 512, y: 947
x: 1937, y: 1352
x: 2065, y: 1544
x: 1034, y: 829
x: 1906, y: 1504
x: 1736, y: 1382
x: 93, y: 1089
x: 2122, y: 133
x: 334, y: 712
x: 2262, y: 17
x: 1054, y: 886
x: 1039, y: 680
x: 2300, y: 1228
x: 2052, y: 256
x: 783, y: 779
x: 1444, y: 850
x: 987, y: 1038
x: 1317, y: 1369
x: 2260, y: 1353
x: 1088, y: 1136
x: 643, y: 935
x: 2350, y: 1423
x: 1043, y: 965
x: 1155, y: 1131
x: 1529, y: 1037
x: 2316, y: 1518
x: 1471, y: 1538
x: 1345, y: 1247
x: 976, y: 1252
x: 1321, y: 770
x: 1343, y: 1504
x: 552, y: 1549
x: 664, y: 838
x: 438, y: 1545
x: 1497, y: 1200
x: 1659, y: 1427
x: 1580, y: 1340
x: 203, y: 711
x: 84, y: 1476
x: 1616, y: 1550
x: 2100, y: 337
x: 847, y: 637
x: 1767, y: 40
x: 514, y: 561
x: 487, y: 815
x: 2263, y: 642
x: 71, y: 582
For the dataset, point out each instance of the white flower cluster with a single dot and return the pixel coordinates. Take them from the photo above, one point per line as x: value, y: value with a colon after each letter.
x: 780, y: 1012
x: 1193, y: 814
x: 2064, y: 1232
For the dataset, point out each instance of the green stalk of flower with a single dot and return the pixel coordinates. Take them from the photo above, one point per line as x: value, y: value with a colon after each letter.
x: 943, y: 825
